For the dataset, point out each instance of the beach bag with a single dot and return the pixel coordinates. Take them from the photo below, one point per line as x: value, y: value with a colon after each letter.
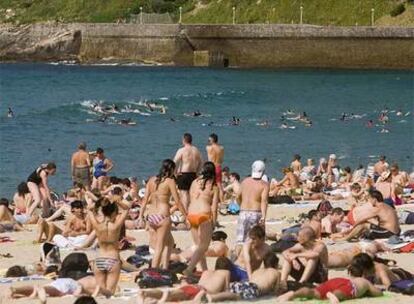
x: 404, y: 286
x: 142, y: 250
x: 50, y: 254
x: 233, y: 208
x: 74, y: 266
x: 155, y: 277
x: 281, y: 199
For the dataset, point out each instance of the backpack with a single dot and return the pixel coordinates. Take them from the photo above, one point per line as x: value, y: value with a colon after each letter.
x: 233, y: 208
x: 155, y: 277
x: 50, y: 254
x: 404, y: 286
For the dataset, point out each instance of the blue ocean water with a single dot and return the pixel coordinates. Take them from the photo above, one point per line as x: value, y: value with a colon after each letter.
x: 51, y: 104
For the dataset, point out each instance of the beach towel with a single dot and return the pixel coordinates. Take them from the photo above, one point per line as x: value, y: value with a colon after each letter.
x: 155, y: 277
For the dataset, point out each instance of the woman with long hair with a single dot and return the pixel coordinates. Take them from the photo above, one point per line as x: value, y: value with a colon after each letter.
x: 202, y: 214
x: 108, y: 231
x: 159, y: 191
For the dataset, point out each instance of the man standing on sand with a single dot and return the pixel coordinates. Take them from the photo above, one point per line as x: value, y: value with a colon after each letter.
x: 188, y: 162
x: 215, y: 154
x: 81, y: 165
x: 253, y: 201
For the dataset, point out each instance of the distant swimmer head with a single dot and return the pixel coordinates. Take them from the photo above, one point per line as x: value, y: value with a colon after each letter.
x: 258, y: 169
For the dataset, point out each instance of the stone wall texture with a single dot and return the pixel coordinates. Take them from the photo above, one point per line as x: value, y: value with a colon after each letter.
x: 245, y: 46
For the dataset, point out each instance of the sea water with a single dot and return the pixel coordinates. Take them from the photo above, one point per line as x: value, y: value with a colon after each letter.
x: 53, y: 114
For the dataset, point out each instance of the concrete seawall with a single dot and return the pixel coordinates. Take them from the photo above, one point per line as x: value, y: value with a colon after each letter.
x: 269, y: 46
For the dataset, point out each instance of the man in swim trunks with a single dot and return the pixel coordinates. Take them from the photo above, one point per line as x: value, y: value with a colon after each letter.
x: 380, y: 167
x: 387, y: 223
x: 188, y: 162
x: 307, y: 261
x: 335, y: 290
x: 251, y: 256
x: 264, y: 281
x: 253, y: 201
x: 215, y: 154
x: 211, y: 282
x: 81, y: 165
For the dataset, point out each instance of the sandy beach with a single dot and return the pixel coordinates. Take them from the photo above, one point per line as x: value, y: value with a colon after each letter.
x: 24, y: 252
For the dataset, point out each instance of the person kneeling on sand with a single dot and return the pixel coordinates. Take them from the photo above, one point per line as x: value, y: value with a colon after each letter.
x: 335, y: 290
x: 306, y: 261
x: 263, y: 281
x: 211, y: 282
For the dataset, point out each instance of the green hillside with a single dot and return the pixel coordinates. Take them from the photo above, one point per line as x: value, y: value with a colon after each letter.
x: 322, y: 12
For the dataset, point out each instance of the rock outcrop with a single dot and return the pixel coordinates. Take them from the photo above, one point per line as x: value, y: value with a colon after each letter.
x: 28, y: 43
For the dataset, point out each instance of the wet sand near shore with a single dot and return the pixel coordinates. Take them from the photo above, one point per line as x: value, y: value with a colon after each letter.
x: 24, y: 252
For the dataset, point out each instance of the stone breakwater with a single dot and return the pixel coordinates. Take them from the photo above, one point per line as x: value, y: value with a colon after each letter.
x: 245, y: 46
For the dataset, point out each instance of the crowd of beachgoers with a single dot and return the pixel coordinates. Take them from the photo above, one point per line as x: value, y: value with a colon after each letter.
x: 190, y: 194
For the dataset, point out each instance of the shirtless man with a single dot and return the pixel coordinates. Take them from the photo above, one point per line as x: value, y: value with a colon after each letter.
x: 330, y: 221
x: 81, y: 164
x: 263, y: 281
x: 188, y: 161
x: 7, y: 221
x: 215, y: 154
x: 253, y: 201
x: 399, y: 177
x: 386, y: 216
x: 211, y: 282
x: 234, y: 188
x: 251, y: 256
x: 307, y: 261
x: 380, y: 167
x: 314, y: 222
x: 296, y: 165
x: 289, y: 185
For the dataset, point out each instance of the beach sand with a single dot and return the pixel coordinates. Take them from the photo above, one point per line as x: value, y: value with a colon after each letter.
x: 24, y: 252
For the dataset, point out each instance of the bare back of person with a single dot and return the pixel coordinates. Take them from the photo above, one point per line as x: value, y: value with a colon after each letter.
x: 81, y: 159
x: 215, y: 281
x: 361, y: 211
x: 22, y: 203
x: 251, y: 192
x: 293, y: 180
x: 266, y: 279
x: 190, y: 159
x: 108, y: 237
x: 160, y: 196
x: 387, y: 218
x: 315, y: 225
x: 380, y: 167
x: 215, y: 154
x: 201, y: 200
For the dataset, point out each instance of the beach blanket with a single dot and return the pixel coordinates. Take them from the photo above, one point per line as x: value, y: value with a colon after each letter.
x: 22, y: 279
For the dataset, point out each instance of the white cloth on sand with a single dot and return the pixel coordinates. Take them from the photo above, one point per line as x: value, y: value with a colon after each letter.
x: 69, y: 242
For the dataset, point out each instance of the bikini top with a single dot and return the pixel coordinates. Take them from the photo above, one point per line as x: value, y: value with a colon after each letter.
x: 35, y: 176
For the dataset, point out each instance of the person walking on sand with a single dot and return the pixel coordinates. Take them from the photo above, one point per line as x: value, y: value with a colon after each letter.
x: 215, y: 153
x: 159, y: 191
x: 188, y: 161
x: 202, y: 214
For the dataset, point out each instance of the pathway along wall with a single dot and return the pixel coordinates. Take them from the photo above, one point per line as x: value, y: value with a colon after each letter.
x: 246, y: 46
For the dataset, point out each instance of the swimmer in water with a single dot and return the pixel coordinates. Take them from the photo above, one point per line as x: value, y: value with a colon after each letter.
x: 10, y: 113
x: 399, y: 113
x: 370, y: 123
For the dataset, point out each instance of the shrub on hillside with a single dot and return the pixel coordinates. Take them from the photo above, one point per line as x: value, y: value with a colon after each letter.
x: 398, y: 10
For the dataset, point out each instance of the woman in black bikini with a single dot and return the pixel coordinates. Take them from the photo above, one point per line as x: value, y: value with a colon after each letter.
x: 38, y: 187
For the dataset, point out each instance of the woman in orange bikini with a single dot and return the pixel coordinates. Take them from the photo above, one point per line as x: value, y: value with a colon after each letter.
x: 159, y: 190
x: 202, y: 214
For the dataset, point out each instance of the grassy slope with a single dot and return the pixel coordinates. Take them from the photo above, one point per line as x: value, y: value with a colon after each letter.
x: 333, y: 12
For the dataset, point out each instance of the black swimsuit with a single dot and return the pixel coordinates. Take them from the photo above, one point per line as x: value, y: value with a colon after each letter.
x: 35, y: 176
